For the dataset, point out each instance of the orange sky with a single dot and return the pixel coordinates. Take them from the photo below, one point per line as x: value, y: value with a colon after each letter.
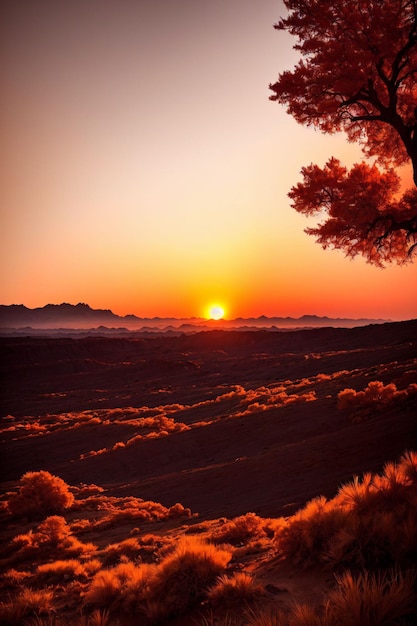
x: 146, y: 171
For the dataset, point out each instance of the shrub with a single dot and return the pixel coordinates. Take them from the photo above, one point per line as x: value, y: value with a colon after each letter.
x: 53, y: 531
x: 266, y: 618
x: 240, y: 529
x: 127, y: 548
x: 14, y: 577
x: 97, y: 618
x: 182, y: 578
x: 71, y: 568
x: 123, y: 588
x: 306, y: 615
x: 372, y: 599
x: 306, y: 538
x: 40, y: 494
x: 375, y: 396
x: 231, y: 593
x: 26, y: 604
x: 52, y: 536
x: 370, y: 523
x: 178, y: 510
x: 408, y: 466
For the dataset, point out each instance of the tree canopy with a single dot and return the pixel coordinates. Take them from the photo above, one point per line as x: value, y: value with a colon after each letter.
x: 358, y: 74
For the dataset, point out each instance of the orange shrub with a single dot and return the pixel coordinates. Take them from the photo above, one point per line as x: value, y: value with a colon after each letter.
x: 73, y: 568
x: 40, y: 494
x: 375, y: 395
x: 370, y: 523
x: 121, y: 589
x: 51, y: 536
x: 271, y: 618
x: 178, y: 510
x: 53, y: 531
x: 305, y: 539
x: 234, y: 592
x: 240, y: 529
x: 408, y: 466
x: 184, y: 576
x: 128, y: 548
x: 28, y: 603
x: 370, y: 599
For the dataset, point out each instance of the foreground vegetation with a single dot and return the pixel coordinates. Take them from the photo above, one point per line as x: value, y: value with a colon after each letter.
x: 365, y: 539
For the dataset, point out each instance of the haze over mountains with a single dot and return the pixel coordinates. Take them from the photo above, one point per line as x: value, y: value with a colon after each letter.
x: 82, y: 317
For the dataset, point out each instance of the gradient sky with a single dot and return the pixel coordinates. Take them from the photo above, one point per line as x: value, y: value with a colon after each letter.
x: 145, y: 170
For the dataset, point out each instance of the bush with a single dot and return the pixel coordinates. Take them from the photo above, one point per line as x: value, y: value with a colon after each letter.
x: 72, y: 568
x: 26, y: 604
x: 240, y: 529
x: 372, y: 599
x: 40, y: 494
x: 371, y: 523
x: 306, y: 615
x: 52, y: 536
x: 97, y: 618
x: 267, y: 618
x: 306, y: 538
x: 374, y: 397
x: 121, y: 589
x: 231, y: 593
x: 183, y: 577
x: 53, y: 531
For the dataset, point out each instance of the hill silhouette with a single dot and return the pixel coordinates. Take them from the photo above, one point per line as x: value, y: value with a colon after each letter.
x: 82, y: 316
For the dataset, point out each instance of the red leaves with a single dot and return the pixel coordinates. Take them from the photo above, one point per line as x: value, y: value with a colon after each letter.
x: 363, y: 191
x: 363, y: 215
x: 357, y: 73
x: 359, y: 60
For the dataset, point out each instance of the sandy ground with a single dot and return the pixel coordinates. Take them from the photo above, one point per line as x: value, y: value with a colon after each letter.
x: 253, y: 417
x: 269, y: 461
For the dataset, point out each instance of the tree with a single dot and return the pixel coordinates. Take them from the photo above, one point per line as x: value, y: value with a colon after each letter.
x: 358, y: 74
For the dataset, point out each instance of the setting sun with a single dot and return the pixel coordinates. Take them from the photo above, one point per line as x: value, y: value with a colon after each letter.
x: 216, y: 312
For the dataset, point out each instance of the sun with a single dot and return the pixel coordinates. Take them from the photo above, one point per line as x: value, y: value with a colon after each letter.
x: 216, y: 312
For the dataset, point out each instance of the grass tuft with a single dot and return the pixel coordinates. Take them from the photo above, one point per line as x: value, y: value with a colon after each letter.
x: 372, y: 599
x: 235, y: 592
x: 184, y: 576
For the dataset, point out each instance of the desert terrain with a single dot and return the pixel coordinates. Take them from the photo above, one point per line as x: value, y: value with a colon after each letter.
x: 210, y: 427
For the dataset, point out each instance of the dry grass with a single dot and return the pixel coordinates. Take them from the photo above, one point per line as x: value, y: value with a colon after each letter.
x: 130, y: 548
x: 305, y: 540
x: 372, y: 599
x: 97, y: 618
x: 240, y: 529
x: 52, y: 537
x: 266, y: 618
x: 121, y: 510
x: 66, y: 570
x: 306, y: 615
x: 368, y: 526
x: 184, y: 576
x: 27, y: 603
x: 374, y: 398
x: 387, y: 599
x: 123, y: 588
x: 231, y: 593
x: 370, y: 523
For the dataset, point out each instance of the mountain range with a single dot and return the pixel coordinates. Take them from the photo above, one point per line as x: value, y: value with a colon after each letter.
x: 82, y: 317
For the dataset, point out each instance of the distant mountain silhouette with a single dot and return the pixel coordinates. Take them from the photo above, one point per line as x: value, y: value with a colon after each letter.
x: 82, y: 316
x: 18, y: 314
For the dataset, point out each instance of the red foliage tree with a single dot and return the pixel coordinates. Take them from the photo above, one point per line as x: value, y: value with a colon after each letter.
x: 357, y: 74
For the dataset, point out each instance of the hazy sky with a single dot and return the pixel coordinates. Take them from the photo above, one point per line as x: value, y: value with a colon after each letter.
x: 145, y: 170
